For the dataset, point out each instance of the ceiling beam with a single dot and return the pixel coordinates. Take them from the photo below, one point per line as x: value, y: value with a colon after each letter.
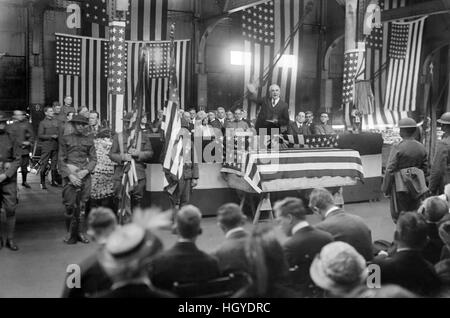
x: 416, y: 10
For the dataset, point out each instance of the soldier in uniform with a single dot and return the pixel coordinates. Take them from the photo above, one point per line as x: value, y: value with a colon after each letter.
x: 48, y: 134
x: 77, y: 160
x: 440, y: 169
x: 181, y: 196
x: 120, y: 154
x: 9, y: 163
x: 67, y: 107
x: 409, y: 153
x: 22, y: 134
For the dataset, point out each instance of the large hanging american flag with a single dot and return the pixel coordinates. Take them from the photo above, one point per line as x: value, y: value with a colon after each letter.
x: 352, y: 68
x: 146, y: 19
x: 405, y: 48
x: 159, y: 85
x: 266, y: 28
x: 376, y: 72
x: 81, y: 66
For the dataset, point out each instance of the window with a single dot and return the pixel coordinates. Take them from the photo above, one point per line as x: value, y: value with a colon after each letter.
x: 240, y: 58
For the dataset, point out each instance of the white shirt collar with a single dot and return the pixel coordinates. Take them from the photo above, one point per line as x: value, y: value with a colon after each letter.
x: 299, y: 226
x: 183, y: 240
x: 276, y: 101
x: 236, y: 229
x: 331, y: 210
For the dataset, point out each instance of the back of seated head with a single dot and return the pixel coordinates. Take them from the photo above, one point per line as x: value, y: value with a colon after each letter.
x: 188, y: 221
x: 407, y: 132
x: 230, y: 216
x: 101, y: 219
x: 291, y: 206
x: 412, y: 230
x: 434, y: 209
x: 321, y: 198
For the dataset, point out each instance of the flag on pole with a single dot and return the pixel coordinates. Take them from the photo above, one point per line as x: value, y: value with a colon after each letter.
x: 173, y: 147
x: 405, y: 52
x: 130, y: 179
x: 117, y: 73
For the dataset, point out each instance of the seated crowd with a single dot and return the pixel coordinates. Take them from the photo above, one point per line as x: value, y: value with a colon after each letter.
x: 290, y: 259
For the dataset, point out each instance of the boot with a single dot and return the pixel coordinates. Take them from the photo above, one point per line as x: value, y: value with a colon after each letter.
x: 72, y: 227
x: 43, y: 186
x: 10, y: 228
x: 24, y: 180
x: 81, y: 237
x: 54, y: 178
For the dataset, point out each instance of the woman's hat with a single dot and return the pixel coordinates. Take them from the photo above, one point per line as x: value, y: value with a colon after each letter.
x: 337, y: 266
x: 80, y: 119
x: 128, y: 249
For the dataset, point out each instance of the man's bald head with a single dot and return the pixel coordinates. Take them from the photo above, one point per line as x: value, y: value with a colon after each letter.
x: 188, y: 221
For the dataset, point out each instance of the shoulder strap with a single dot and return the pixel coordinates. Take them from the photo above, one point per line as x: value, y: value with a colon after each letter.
x: 139, y: 142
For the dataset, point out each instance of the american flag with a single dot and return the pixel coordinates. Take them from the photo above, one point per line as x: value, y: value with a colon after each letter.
x: 376, y: 72
x: 159, y: 60
x: 173, y: 146
x: 130, y: 179
x: 266, y: 29
x: 405, y: 51
x: 117, y: 72
x: 159, y: 86
x: 147, y: 20
x: 352, y: 68
x: 81, y: 67
x: 96, y: 11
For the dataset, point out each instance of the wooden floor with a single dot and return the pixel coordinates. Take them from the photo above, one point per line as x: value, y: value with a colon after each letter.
x: 38, y: 268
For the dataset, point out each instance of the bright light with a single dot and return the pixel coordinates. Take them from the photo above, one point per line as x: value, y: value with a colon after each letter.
x: 240, y: 58
x: 287, y: 61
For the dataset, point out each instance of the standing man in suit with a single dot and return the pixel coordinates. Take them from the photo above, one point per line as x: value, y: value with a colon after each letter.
x: 304, y: 240
x: 409, y: 153
x: 407, y: 267
x: 220, y: 120
x: 184, y: 262
x: 309, y: 126
x: 343, y: 227
x: 274, y: 113
x: 22, y: 133
x: 298, y: 126
x: 231, y: 253
x: 48, y: 134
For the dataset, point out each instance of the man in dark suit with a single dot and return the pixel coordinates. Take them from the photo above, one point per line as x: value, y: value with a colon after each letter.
x: 305, y: 241
x: 298, y: 127
x: 274, y: 113
x: 231, y: 253
x: 343, y: 227
x: 219, y: 120
x: 407, y: 267
x: 309, y: 126
x: 184, y: 262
